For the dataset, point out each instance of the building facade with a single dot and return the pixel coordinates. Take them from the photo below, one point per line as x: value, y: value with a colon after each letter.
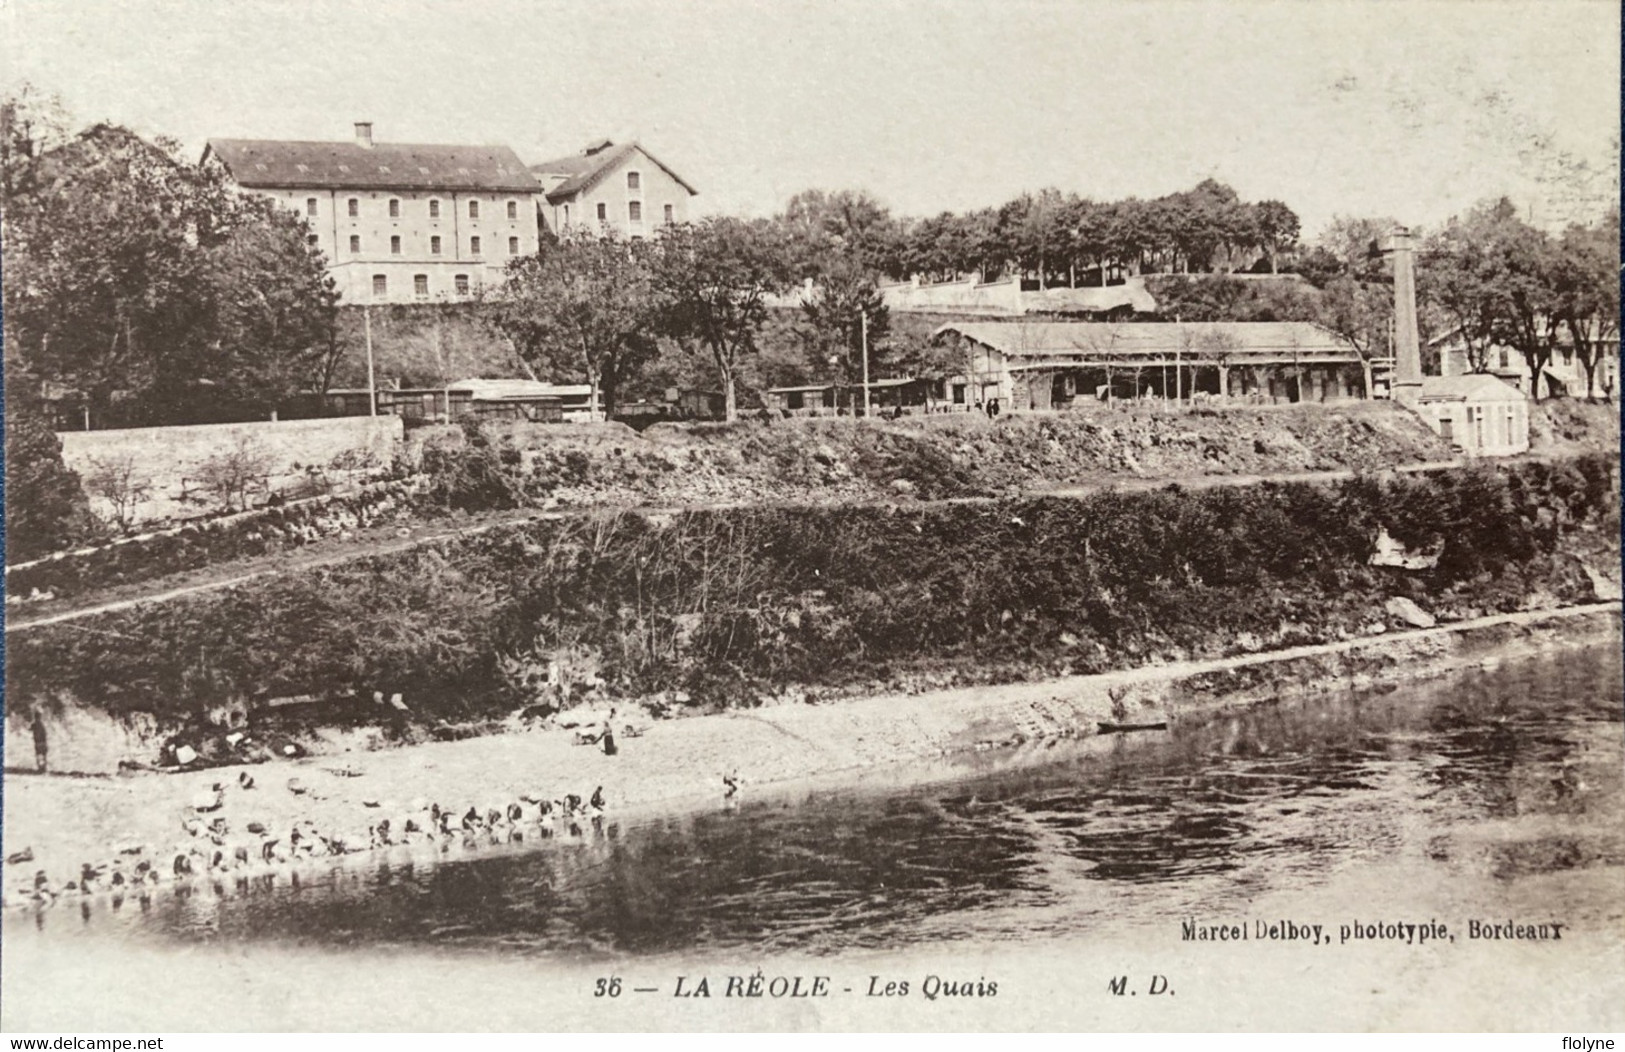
x: 624, y: 189
x: 398, y: 222
x: 1478, y: 414
x: 1565, y: 374
x: 1027, y: 365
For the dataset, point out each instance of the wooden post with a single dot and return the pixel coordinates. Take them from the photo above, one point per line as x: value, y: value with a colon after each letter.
x: 372, y: 387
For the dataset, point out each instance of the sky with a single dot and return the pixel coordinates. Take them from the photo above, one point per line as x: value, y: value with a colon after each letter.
x: 1412, y: 110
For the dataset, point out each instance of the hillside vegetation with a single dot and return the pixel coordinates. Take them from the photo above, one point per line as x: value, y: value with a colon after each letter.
x: 730, y: 606
x: 839, y: 459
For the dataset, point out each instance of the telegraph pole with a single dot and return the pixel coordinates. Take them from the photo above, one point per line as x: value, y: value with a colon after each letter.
x: 865, y: 316
x: 372, y: 387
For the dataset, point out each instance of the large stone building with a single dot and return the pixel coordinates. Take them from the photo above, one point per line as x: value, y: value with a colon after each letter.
x: 400, y: 222
x: 621, y: 188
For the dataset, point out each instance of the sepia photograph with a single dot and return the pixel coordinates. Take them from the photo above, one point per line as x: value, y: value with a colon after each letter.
x: 905, y: 516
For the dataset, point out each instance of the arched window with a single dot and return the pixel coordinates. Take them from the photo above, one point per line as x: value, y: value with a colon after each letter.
x: 473, y: 210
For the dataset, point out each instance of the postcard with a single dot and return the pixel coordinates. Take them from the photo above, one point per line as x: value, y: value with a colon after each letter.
x: 900, y: 516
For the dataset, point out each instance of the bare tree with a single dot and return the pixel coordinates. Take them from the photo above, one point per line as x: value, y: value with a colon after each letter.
x: 118, y: 481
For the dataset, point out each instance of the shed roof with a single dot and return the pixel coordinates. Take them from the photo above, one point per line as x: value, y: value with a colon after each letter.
x: 583, y: 170
x: 1473, y: 387
x: 806, y: 387
x: 278, y: 164
x: 500, y: 389
x: 1276, y: 339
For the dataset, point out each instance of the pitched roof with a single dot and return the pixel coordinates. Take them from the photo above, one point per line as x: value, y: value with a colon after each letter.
x: 585, y: 169
x: 276, y: 164
x: 1473, y: 387
x: 1029, y: 339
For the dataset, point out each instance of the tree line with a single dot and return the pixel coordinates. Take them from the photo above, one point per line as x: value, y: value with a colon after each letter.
x: 1050, y: 237
x: 146, y: 284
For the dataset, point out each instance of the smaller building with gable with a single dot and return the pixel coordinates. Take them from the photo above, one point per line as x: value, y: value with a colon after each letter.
x: 623, y: 188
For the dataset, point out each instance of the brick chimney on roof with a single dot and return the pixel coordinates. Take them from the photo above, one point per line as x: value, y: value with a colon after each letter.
x: 363, y: 134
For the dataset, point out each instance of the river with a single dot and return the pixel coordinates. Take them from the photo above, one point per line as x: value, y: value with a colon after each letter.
x: 1502, y: 774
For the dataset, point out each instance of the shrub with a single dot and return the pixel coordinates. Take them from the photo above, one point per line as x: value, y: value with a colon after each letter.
x: 46, y: 508
x: 475, y: 476
x: 116, y: 481
x: 231, y: 476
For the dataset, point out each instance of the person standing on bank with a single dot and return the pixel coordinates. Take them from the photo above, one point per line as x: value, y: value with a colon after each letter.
x: 41, y: 745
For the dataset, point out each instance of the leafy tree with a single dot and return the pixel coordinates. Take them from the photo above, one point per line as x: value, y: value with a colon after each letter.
x: 1362, y: 313
x: 135, y: 277
x: 272, y: 323
x: 1526, y: 317
x: 32, y: 123
x: 1462, y: 276
x: 1277, y: 230
x: 834, y: 320
x: 1354, y: 243
x: 711, y: 278
x: 585, y: 308
x: 1032, y: 234
x: 46, y: 508
x: 846, y: 224
x: 1586, y: 292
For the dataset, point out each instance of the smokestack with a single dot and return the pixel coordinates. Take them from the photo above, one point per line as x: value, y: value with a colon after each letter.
x: 1407, y: 383
x: 363, y: 134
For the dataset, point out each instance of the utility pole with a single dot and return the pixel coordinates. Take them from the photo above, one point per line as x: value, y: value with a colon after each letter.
x: 372, y: 387
x: 865, y: 316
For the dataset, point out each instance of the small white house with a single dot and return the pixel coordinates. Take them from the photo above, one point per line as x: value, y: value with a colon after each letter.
x: 1477, y: 413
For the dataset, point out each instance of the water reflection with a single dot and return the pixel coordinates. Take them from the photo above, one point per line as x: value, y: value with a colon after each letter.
x: 1501, y: 774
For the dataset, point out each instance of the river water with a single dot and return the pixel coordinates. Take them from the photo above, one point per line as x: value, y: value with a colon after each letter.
x: 1490, y: 781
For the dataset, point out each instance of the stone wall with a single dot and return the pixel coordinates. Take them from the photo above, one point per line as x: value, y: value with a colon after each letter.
x: 969, y: 296
x: 169, y: 460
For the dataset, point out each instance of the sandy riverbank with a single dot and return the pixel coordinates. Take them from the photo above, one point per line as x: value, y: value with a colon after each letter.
x: 680, y: 764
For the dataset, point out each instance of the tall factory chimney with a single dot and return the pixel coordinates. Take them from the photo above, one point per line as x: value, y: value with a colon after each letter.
x: 1407, y: 382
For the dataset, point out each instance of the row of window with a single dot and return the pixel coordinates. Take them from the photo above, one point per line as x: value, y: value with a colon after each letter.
x: 634, y: 210
x: 474, y: 244
x: 420, y: 285
x: 312, y: 205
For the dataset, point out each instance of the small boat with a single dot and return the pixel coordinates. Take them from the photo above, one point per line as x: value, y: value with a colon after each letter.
x: 1124, y: 728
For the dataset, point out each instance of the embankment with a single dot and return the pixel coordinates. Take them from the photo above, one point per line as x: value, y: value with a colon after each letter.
x: 511, y: 467
x: 839, y: 460
x: 737, y: 607
x: 679, y: 764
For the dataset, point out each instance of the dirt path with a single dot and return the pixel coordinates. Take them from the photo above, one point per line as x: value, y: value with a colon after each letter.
x: 214, y: 578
